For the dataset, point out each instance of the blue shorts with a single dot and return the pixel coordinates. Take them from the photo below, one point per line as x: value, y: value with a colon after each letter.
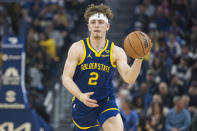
x: 91, y: 119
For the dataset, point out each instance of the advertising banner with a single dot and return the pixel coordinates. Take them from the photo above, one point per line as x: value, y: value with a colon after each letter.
x: 15, y: 113
x: 12, y: 91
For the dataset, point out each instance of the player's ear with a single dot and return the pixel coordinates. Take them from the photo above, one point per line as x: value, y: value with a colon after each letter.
x: 108, y: 26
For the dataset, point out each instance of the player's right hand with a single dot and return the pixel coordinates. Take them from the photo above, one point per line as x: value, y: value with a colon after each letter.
x: 85, y: 98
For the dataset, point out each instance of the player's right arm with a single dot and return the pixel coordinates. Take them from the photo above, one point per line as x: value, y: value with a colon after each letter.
x: 127, y: 72
x: 75, y: 54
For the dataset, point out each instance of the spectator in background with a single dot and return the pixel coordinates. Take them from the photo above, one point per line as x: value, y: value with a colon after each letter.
x: 165, y: 7
x: 141, y: 19
x: 159, y: 70
x: 63, y: 17
x: 49, y: 45
x: 154, y: 35
x: 36, y: 25
x: 36, y: 7
x: 139, y: 104
x: 166, y: 97
x: 48, y: 11
x: 36, y: 77
x: 186, y: 52
x: 180, y: 6
x: 25, y: 15
x: 145, y: 95
x: 155, y: 115
x: 176, y: 85
x: 59, y: 24
x: 192, y: 92
x: 158, y: 99
x: 164, y: 57
x: 150, y: 81
x: 162, y: 20
x: 181, y: 70
x: 178, y: 118
x: 56, y: 35
x: 174, y: 47
x: 139, y: 107
x: 129, y: 114
x: 177, y: 30
x: 149, y: 9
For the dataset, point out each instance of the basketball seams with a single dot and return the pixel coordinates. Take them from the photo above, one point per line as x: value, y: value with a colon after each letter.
x: 149, y: 43
x: 132, y: 46
x: 140, y: 42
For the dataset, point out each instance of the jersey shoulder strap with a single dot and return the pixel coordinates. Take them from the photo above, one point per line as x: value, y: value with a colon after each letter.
x: 85, y: 50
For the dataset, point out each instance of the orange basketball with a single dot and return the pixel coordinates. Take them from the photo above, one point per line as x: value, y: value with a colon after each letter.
x: 137, y: 44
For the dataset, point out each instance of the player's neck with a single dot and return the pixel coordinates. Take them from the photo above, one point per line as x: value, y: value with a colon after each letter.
x: 97, y: 43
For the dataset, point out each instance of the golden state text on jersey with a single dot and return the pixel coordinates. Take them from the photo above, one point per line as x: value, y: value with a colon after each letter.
x: 94, y: 73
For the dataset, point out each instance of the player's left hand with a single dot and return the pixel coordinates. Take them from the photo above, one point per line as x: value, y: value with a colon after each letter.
x: 85, y: 98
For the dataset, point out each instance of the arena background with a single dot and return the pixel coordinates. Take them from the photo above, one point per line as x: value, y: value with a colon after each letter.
x: 35, y: 36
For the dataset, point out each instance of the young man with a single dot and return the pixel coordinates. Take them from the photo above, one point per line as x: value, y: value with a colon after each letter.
x: 88, y: 74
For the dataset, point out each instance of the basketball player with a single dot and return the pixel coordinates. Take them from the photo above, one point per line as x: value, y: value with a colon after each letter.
x: 88, y: 74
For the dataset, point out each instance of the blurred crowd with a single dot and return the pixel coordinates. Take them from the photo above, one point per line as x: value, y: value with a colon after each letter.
x: 164, y: 96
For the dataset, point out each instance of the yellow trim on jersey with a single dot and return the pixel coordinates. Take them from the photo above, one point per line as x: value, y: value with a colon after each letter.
x: 109, y: 110
x: 73, y: 98
x: 84, y: 128
x: 84, y: 53
x: 111, y: 55
x: 97, y: 54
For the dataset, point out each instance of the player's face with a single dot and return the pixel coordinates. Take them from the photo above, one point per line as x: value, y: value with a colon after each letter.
x: 98, y: 28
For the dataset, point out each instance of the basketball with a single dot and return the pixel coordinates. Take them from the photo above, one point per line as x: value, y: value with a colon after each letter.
x: 137, y: 44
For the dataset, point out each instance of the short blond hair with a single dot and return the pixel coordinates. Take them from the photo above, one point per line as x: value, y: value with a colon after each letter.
x: 93, y: 9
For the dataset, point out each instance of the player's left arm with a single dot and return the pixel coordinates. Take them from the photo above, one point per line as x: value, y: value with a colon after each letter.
x: 128, y: 73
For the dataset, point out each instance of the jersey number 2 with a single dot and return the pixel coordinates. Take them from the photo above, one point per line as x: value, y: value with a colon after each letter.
x: 93, y: 79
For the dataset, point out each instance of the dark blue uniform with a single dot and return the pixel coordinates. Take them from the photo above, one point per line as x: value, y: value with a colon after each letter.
x: 94, y: 73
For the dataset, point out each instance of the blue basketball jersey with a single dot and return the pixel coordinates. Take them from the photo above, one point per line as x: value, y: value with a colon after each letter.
x: 94, y: 73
